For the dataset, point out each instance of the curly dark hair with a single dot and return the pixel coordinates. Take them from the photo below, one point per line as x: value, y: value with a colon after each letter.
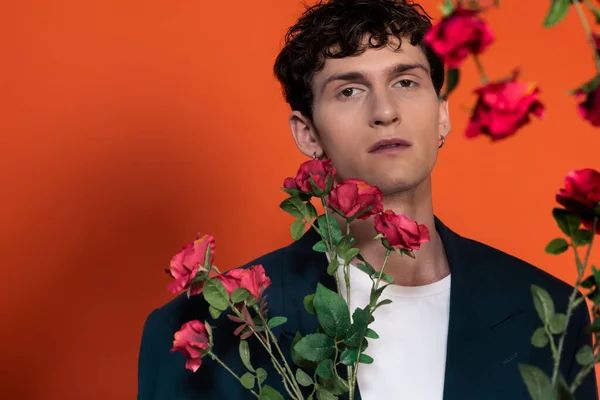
x: 336, y: 29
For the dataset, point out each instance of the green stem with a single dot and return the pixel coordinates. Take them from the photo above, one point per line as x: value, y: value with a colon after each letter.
x: 588, y: 31
x: 355, y: 372
x: 296, y: 389
x: 217, y: 359
x: 582, y: 374
x: 347, y: 273
x: 387, y: 255
x: 267, y: 345
x: 350, y: 369
x: 329, y: 244
x: 580, y: 270
x: 484, y: 78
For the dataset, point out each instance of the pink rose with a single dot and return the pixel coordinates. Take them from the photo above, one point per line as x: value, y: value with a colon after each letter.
x: 589, y: 107
x: 252, y: 279
x: 353, y: 196
x: 503, y: 107
x: 187, y: 262
x: 459, y: 34
x: 192, y: 340
x: 400, y: 231
x: 319, y: 171
x: 581, y: 195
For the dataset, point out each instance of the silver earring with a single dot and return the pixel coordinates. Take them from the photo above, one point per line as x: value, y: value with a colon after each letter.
x: 314, y: 155
x: 442, y: 142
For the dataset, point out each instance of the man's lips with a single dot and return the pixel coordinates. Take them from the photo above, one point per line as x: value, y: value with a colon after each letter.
x: 389, y: 144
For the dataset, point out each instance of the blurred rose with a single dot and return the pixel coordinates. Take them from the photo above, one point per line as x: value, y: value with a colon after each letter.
x: 581, y: 195
x: 589, y: 107
x: 459, y: 34
x: 503, y: 107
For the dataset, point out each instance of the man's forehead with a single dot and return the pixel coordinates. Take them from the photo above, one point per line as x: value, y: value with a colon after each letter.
x: 374, y: 60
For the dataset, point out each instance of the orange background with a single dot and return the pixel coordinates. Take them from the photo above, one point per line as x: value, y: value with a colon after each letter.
x: 127, y: 126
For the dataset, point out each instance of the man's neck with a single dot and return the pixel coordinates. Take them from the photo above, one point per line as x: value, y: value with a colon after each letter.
x: 430, y: 264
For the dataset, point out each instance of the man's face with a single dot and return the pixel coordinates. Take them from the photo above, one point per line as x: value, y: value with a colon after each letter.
x: 359, y: 101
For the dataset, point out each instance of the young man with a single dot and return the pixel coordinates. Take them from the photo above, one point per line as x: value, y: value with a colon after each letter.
x: 364, y: 93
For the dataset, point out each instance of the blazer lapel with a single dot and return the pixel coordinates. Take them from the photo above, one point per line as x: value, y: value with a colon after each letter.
x: 485, y: 341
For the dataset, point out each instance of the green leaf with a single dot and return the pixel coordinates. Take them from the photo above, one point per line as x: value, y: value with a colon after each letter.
x: 297, y: 358
x: 452, y: 78
x: 384, y: 276
x: 325, y: 369
x: 558, y: 323
x: 303, y: 378
x: 596, y: 13
x: 557, y: 246
x: 350, y: 254
x: 366, y: 268
x: 276, y: 321
x: 538, y: 383
x: 585, y: 355
x: 239, y: 295
x: 215, y: 294
x: 371, y: 334
x: 595, y: 326
x: 558, y: 11
x: 446, y: 8
x: 540, y: 338
x: 294, y: 206
x: 261, y: 375
x: 268, y: 393
x: 333, y: 266
x: 315, y: 347
x: 297, y: 229
x: 245, y: 354
x: 324, y: 394
x: 365, y: 359
x: 375, y: 296
x: 308, y: 304
x: 543, y: 303
x: 581, y: 237
x: 336, y: 231
x: 343, y: 246
x: 311, y: 211
x: 248, y: 380
x: 320, y: 247
x: 358, y: 329
x: 332, y: 311
x: 349, y: 356
x: 214, y: 312
x: 382, y: 303
x: 567, y: 221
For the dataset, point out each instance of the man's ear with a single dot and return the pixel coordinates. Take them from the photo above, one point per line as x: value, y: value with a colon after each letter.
x: 444, y: 126
x: 305, y: 135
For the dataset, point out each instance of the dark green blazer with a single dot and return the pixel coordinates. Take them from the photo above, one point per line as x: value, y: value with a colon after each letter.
x: 491, y: 322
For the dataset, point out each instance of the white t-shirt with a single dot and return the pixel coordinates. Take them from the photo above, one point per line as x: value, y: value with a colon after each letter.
x: 410, y: 354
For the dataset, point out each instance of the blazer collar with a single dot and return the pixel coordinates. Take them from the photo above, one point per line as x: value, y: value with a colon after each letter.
x: 475, y: 289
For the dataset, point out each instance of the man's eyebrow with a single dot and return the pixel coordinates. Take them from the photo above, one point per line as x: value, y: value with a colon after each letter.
x: 357, y: 75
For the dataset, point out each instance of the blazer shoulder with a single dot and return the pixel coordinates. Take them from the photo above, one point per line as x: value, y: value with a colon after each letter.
x: 514, y: 272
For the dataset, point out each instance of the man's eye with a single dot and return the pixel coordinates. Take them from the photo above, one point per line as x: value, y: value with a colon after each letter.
x: 349, y: 92
x: 407, y: 83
